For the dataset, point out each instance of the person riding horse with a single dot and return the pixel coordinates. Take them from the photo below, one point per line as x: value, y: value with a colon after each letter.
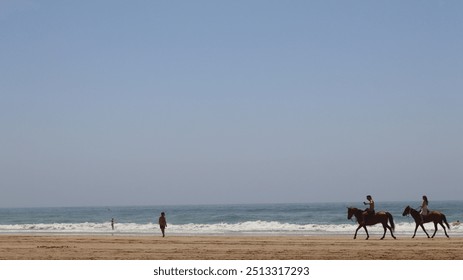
x: 370, y: 211
x: 433, y: 216
x: 424, y: 208
x: 385, y: 218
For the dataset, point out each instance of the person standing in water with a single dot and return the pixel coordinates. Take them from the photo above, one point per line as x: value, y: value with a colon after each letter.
x: 163, y: 223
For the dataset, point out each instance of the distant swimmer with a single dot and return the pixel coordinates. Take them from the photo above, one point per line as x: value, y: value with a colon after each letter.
x: 112, y: 223
x: 456, y: 223
x: 163, y: 223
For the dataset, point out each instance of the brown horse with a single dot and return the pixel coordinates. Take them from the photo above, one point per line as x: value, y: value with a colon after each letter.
x: 433, y: 216
x: 379, y: 217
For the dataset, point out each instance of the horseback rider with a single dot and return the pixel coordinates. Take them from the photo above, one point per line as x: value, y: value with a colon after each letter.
x: 371, y: 208
x: 424, y: 208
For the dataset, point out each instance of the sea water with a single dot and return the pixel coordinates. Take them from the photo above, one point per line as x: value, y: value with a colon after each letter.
x: 240, y: 219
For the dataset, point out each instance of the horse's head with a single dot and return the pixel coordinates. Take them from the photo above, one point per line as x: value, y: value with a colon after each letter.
x: 407, y: 211
x: 350, y: 212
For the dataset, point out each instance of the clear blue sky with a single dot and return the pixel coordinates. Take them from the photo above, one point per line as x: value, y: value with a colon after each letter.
x: 175, y: 102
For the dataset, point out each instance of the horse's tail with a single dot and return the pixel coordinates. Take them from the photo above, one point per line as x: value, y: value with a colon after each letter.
x: 445, y: 221
x: 391, y: 220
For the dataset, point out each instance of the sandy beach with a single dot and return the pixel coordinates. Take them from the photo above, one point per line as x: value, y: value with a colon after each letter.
x: 60, y: 247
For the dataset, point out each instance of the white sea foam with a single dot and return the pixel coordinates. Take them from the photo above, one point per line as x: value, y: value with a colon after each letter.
x: 244, y: 228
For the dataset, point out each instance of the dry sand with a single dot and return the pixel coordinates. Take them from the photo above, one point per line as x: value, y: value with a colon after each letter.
x: 61, y: 247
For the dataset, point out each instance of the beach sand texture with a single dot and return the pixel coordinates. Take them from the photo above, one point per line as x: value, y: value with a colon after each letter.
x: 38, y: 247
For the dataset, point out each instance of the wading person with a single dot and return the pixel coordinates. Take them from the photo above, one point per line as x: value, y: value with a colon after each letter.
x: 163, y: 223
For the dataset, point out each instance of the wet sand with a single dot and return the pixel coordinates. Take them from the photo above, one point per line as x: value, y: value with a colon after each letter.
x: 97, y: 247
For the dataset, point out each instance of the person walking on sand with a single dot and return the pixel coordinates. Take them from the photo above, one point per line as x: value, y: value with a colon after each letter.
x: 371, y: 208
x: 163, y: 223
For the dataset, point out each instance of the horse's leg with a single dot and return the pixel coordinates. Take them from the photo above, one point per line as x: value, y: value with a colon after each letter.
x: 390, y: 229
x: 442, y: 225
x: 386, y: 226
x: 435, y: 229
x: 416, y: 227
x: 384, y: 233
x: 368, y: 236
x: 422, y: 226
x: 355, y: 235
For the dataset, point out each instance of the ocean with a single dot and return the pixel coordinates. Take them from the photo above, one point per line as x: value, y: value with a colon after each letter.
x: 307, y: 219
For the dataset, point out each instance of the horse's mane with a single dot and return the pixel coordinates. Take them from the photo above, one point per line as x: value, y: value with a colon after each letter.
x: 412, y: 209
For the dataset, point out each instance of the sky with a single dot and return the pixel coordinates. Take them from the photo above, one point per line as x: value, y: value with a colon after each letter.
x: 223, y: 102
